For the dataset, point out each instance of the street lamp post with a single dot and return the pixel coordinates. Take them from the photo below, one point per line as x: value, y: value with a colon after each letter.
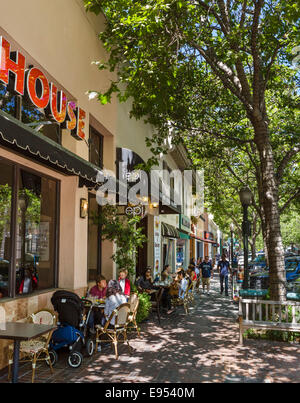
x: 231, y: 243
x: 246, y: 199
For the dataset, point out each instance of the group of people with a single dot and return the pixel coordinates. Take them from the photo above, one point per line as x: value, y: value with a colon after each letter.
x: 115, y: 293
x: 204, y: 270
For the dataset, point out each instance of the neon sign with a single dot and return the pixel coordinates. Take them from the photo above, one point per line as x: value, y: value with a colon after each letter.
x: 42, y: 93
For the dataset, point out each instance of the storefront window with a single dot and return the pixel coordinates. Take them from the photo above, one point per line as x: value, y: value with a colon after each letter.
x: 94, y: 241
x: 7, y: 101
x: 35, y: 268
x: 96, y: 148
x: 37, y: 120
x: 5, y: 219
x: 180, y: 253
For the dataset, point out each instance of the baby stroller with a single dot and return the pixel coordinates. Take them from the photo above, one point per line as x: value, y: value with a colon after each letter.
x: 73, y: 331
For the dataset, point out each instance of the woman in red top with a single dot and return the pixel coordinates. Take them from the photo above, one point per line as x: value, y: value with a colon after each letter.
x: 192, y: 273
x: 124, y: 282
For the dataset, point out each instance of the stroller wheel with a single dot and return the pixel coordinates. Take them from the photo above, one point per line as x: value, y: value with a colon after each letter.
x: 53, y: 357
x: 90, y: 347
x: 75, y: 359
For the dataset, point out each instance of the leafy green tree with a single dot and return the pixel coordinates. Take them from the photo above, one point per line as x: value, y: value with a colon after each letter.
x: 124, y: 232
x: 291, y: 229
x: 5, y: 203
x: 220, y: 71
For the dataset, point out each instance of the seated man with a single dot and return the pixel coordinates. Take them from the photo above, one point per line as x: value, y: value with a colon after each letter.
x: 99, y: 290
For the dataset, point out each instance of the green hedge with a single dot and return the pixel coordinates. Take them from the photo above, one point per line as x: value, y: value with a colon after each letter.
x: 144, y: 305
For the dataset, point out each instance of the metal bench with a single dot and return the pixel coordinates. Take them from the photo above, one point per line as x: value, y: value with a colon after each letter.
x: 268, y: 315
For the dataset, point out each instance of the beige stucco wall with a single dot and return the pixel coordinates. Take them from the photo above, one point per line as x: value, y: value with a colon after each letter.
x: 58, y: 37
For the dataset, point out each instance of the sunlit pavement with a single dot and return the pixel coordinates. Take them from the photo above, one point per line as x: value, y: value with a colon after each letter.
x: 199, y: 347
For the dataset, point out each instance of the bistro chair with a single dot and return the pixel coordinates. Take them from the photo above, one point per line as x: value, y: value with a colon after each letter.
x: 37, y: 349
x: 191, y: 295
x: 121, y: 315
x: 156, y: 304
x: 185, y: 301
x: 134, y: 305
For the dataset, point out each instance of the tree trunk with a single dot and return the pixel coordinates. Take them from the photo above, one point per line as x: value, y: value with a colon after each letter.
x: 271, y: 225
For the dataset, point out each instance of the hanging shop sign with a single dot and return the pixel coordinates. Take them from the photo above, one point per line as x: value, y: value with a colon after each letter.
x: 135, y: 211
x: 184, y: 223
x: 208, y: 236
x: 43, y: 94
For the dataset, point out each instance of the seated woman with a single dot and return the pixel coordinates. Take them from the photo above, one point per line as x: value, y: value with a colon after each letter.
x: 183, y: 284
x: 144, y: 283
x: 124, y: 282
x: 192, y: 273
x: 114, y: 298
x: 167, y: 294
x: 99, y: 290
x: 166, y: 274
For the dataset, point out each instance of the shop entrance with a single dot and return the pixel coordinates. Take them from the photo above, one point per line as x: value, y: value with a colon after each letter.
x: 142, y: 252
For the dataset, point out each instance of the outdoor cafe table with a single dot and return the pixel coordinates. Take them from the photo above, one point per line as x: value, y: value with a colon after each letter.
x: 20, y: 332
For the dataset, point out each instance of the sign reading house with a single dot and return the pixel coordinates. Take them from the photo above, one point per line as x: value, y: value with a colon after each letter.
x: 43, y: 94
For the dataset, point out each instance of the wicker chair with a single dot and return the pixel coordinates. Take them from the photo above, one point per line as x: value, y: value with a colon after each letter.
x: 37, y: 349
x: 185, y: 301
x: 191, y: 294
x: 134, y: 305
x: 121, y: 315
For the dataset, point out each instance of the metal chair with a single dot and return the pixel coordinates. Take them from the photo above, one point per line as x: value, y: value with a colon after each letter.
x: 121, y: 315
x: 156, y: 305
x: 134, y: 305
x: 37, y: 349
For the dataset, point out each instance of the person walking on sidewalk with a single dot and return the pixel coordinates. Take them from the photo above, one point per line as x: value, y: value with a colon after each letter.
x: 224, y: 270
x: 206, y: 270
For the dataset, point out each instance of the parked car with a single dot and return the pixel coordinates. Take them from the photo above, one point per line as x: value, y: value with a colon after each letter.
x: 258, y: 264
x: 293, y: 286
x: 260, y: 280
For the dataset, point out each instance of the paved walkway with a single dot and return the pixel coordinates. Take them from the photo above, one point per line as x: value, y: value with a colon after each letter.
x: 200, y: 347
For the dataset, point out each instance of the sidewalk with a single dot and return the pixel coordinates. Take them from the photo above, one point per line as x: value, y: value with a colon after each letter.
x: 200, y: 347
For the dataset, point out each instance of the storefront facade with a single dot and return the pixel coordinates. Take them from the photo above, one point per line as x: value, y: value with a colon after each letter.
x: 183, y: 243
x: 54, y: 140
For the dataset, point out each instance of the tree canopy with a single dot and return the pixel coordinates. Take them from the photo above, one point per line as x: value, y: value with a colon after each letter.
x: 220, y: 74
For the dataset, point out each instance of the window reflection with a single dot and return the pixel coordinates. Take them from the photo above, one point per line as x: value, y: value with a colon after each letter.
x: 7, y: 100
x: 36, y: 233
x: 32, y: 116
x: 96, y: 147
x: 38, y: 121
x: 5, y: 214
x: 94, y: 240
